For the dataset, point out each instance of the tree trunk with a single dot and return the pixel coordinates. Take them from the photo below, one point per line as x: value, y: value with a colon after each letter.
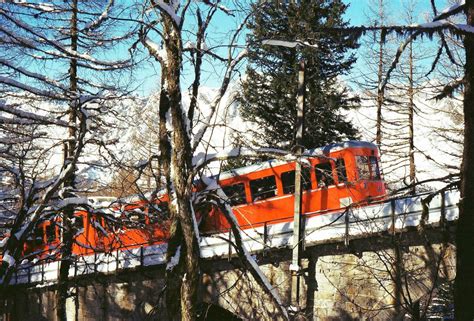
x: 411, y: 111
x: 181, y: 169
x: 398, y: 267
x: 68, y: 213
x: 464, y: 283
x: 378, y: 135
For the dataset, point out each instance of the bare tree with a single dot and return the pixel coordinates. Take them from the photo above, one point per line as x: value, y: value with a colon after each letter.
x: 51, y: 38
x: 183, y: 130
x: 464, y: 293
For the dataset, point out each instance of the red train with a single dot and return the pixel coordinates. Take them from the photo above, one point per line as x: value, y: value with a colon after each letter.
x: 346, y: 173
x: 333, y: 177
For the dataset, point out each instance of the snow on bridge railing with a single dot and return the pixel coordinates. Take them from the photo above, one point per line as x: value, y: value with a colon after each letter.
x: 345, y: 224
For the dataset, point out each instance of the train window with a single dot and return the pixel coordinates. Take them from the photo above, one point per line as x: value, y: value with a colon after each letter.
x: 288, y: 180
x: 324, y: 174
x: 235, y: 193
x: 263, y: 188
x: 51, y: 232
x: 159, y: 212
x: 341, y: 170
x: 374, y: 165
x: 363, y: 167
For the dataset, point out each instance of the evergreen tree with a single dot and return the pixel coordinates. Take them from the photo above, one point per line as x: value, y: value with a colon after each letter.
x: 269, y: 92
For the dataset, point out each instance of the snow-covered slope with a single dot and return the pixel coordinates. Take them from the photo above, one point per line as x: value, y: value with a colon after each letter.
x: 131, y: 134
x: 437, y: 128
x: 437, y: 136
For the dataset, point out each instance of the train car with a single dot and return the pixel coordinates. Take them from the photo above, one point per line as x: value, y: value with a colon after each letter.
x: 46, y: 238
x: 125, y: 226
x: 333, y: 177
x: 139, y: 223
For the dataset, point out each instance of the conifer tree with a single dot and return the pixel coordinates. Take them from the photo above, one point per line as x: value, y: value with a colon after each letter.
x: 269, y: 92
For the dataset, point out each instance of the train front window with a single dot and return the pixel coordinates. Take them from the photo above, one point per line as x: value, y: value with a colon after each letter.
x: 374, y: 165
x: 288, y: 180
x: 263, y: 188
x: 235, y: 193
x: 324, y: 174
x: 341, y: 170
x: 363, y: 167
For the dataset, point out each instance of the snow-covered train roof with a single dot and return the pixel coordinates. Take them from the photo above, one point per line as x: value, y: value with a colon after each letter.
x: 334, y: 147
x: 315, y: 152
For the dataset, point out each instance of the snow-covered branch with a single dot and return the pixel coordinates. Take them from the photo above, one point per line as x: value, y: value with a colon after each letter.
x: 42, y: 7
x: 421, y: 29
x: 288, y: 44
x: 62, y: 50
x: 33, y: 75
x: 449, y: 88
x: 43, y: 93
x: 154, y: 49
x: 75, y: 201
x: 98, y: 22
x: 219, y: 6
x: 169, y: 9
x: 34, y: 118
x: 251, y: 265
x: 203, y: 158
x: 451, y: 11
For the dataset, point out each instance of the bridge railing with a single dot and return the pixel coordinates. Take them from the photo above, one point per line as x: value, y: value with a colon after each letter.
x: 343, y: 224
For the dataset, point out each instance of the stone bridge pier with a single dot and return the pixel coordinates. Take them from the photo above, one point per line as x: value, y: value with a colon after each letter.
x: 385, y: 277
x: 381, y: 277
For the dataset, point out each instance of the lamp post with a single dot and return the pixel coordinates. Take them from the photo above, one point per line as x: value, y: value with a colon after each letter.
x: 297, y: 244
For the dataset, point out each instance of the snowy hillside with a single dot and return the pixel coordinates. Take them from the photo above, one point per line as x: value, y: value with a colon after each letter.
x: 132, y: 131
x: 437, y: 136
x: 437, y: 127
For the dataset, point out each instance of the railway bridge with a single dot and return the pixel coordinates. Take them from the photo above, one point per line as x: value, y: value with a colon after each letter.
x: 380, y: 261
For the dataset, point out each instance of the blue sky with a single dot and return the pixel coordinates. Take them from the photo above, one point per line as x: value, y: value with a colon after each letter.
x: 358, y: 8
x: 356, y: 14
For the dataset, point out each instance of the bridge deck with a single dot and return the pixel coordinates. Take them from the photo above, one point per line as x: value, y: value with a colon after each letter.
x: 344, y: 224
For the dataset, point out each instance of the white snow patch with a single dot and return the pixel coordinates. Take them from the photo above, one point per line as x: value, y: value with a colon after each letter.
x: 170, y: 10
x: 450, y: 9
x: 4, y: 241
x: 8, y: 259
x: 174, y: 260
